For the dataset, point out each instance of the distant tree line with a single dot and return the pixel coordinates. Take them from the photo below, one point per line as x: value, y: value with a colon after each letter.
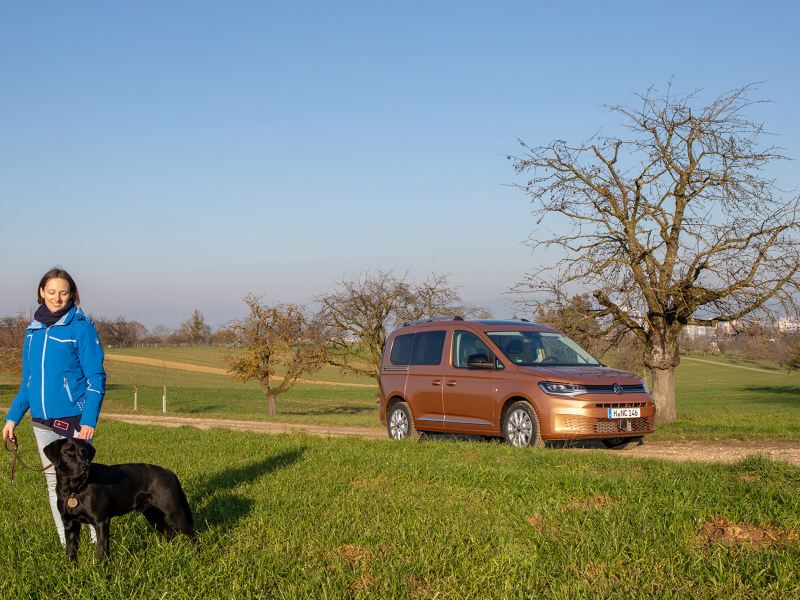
x: 122, y: 333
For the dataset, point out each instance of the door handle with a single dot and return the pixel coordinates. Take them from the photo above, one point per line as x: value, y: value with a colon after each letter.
x: 436, y: 382
x: 451, y: 383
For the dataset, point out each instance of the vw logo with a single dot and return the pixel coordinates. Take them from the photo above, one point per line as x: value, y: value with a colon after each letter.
x: 617, y: 389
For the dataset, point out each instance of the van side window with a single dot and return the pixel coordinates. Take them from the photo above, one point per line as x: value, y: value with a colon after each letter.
x: 401, y: 349
x: 466, y: 344
x: 427, y: 348
x: 418, y: 348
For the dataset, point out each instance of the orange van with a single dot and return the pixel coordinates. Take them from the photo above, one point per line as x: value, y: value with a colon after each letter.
x: 522, y: 381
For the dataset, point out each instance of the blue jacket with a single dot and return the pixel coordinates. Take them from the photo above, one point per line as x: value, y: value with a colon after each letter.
x: 62, y: 371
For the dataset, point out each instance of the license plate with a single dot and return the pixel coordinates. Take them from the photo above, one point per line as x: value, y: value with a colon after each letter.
x: 623, y: 413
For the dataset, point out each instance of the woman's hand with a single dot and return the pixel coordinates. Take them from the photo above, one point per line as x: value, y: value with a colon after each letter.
x: 86, y: 433
x: 8, y: 430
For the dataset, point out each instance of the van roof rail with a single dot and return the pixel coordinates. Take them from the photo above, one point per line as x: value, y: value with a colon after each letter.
x: 433, y: 320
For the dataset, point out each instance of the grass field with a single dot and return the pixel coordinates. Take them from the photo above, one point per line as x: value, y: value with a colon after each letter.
x: 302, y: 517
x: 715, y: 401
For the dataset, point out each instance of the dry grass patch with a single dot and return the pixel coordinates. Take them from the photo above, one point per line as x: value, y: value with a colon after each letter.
x: 418, y: 588
x: 721, y: 531
x: 366, y: 582
x: 535, y: 521
x: 353, y: 553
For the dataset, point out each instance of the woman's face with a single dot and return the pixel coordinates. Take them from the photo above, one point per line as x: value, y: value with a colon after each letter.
x: 56, y: 293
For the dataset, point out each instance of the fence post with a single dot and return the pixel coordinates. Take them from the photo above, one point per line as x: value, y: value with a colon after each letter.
x: 164, y: 401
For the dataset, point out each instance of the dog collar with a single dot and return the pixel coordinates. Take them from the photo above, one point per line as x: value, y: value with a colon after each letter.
x: 72, y: 502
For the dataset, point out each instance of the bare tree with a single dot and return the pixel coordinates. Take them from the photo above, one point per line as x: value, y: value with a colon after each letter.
x: 120, y: 332
x: 671, y: 224
x: 195, y: 329
x: 12, y: 336
x: 223, y: 336
x: 360, y: 310
x: 270, y: 337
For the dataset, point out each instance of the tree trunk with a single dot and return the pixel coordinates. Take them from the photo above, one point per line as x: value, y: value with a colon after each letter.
x: 664, y: 394
x: 272, y: 397
x: 662, y: 356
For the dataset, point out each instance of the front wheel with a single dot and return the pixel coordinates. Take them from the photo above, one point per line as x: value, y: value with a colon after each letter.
x: 521, y: 426
x: 400, y: 423
x: 623, y: 443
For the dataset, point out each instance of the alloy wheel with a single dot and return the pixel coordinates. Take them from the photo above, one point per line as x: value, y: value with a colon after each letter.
x: 519, y: 428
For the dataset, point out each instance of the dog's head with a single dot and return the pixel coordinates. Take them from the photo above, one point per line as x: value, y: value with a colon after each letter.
x: 70, y: 457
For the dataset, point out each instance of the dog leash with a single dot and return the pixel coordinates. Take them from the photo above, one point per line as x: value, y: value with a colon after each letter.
x: 14, y: 451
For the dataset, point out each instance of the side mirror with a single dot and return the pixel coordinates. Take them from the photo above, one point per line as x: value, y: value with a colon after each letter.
x: 480, y: 361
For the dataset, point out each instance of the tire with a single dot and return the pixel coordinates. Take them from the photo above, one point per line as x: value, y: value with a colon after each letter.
x: 521, y: 426
x: 623, y: 443
x: 400, y: 423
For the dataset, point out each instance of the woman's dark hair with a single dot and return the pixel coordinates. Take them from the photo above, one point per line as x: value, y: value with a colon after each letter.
x: 58, y: 273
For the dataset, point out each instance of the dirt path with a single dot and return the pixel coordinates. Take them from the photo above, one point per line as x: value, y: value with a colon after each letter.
x: 674, y: 451
x: 171, y: 364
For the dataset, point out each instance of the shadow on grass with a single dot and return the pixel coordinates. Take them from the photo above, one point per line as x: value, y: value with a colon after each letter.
x: 330, y: 410
x: 430, y: 436
x: 225, y: 507
x: 781, y: 394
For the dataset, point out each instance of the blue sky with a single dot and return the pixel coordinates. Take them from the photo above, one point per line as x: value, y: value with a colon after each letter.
x: 179, y: 155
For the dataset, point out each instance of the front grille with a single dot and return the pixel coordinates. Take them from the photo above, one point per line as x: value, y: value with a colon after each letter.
x: 587, y: 425
x: 620, y: 405
x: 609, y: 389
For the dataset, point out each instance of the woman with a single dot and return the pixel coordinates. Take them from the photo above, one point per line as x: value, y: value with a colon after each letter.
x: 63, y: 381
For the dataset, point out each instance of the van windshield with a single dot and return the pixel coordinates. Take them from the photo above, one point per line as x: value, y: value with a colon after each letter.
x: 529, y: 348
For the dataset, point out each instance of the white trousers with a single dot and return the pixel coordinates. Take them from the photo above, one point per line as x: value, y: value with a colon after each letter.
x: 43, y: 438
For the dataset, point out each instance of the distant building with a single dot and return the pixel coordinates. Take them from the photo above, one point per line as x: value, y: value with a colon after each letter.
x: 789, y: 325
x: 709, y: 332
x: 699, y: 332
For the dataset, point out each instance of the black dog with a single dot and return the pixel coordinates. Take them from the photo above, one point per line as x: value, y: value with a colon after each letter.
x: 94, y: 493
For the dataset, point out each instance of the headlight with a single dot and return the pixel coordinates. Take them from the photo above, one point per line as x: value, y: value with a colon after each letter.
x: 562, y: 389
x: 645, y: 386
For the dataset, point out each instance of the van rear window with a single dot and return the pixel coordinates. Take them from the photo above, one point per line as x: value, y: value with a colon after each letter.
x: 418, y: 348
x: 401, y: 349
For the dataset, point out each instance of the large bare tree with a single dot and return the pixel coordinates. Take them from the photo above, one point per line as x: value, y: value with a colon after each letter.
x: 274, y: 336
x: 360, y: 310
x: 673, y: 222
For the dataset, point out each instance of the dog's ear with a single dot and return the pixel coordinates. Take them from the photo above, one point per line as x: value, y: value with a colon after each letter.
x: 89, y: 449
x: 53, y: 451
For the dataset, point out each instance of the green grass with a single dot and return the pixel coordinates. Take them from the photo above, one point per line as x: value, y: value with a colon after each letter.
x: 725, y: 403
x: 214, y: 356
x: 303, y: 517
x: 715, y: 402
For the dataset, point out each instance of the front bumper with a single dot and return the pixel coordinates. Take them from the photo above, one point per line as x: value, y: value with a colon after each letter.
x: 588, y: 418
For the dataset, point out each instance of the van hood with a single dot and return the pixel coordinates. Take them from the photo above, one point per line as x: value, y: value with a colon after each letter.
x: 583, y: 375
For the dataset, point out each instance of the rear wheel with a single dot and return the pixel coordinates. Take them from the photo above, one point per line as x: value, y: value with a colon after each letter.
x: 623, y: 443
x: 521, y: 426
x: 400, y: 423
